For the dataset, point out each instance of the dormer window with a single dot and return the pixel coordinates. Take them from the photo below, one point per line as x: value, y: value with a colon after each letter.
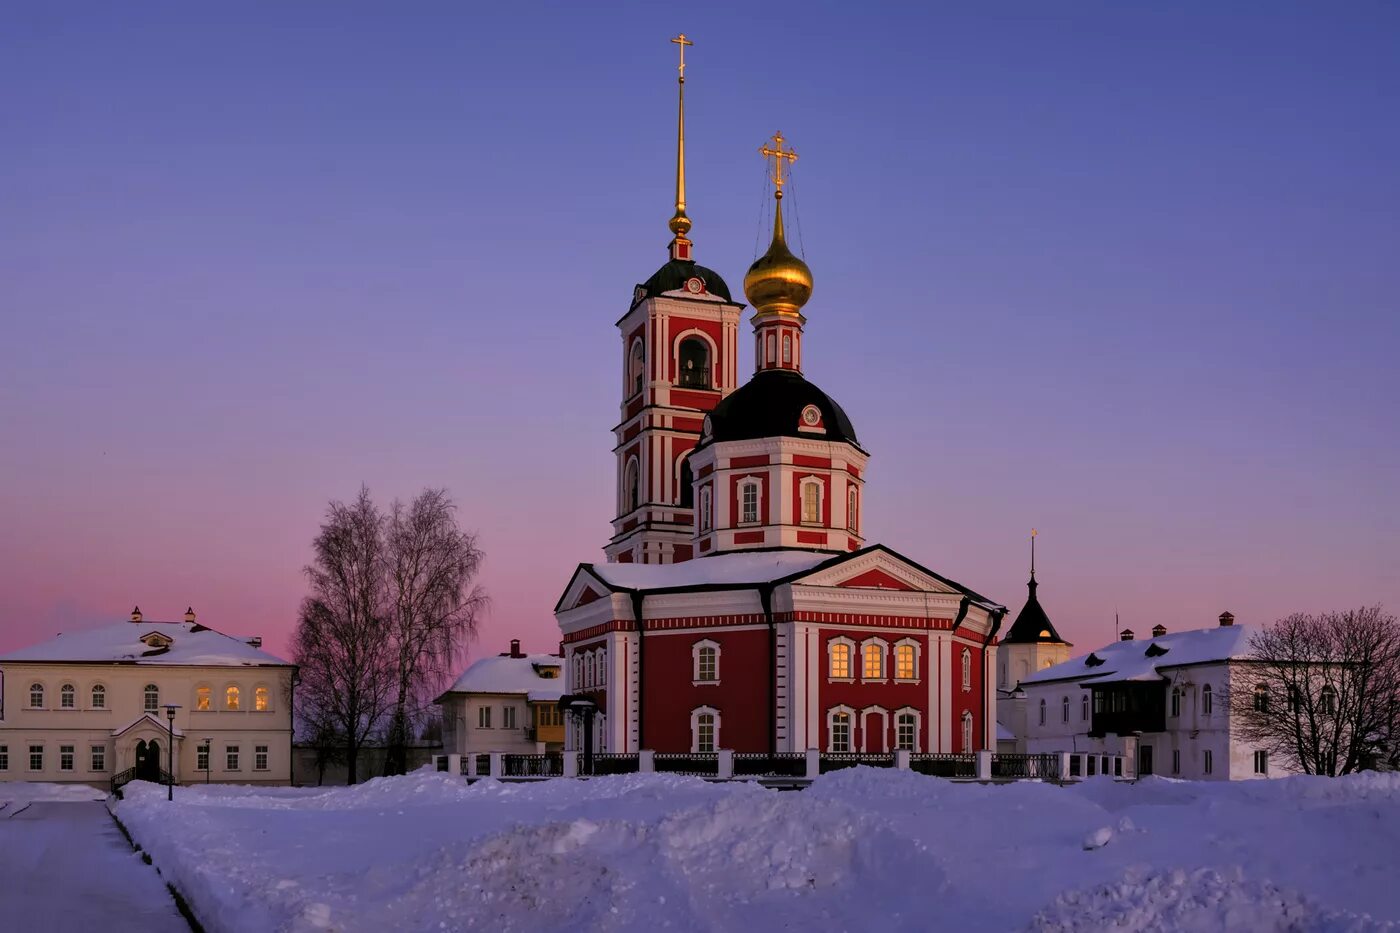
x: 156, y: 640
x: 693, y: 364
x: 1155, y: 650
x: 1093, y: 660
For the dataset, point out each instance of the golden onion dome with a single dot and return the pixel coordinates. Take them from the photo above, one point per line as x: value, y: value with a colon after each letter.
x: 778, y: 282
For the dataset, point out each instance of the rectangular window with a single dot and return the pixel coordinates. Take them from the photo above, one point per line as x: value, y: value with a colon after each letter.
x: 36, y: 697
x: 99, y: 757
x: 259, y: 757
x: 99, y: 697
x: 749, y: 498
x: 483, y: 717
x: 811, y: 504
x: 231, y: 757
x: 1261, y: 762
x: 508, y: 717
x: 1176, y: 761
x: 67, y: 698
x: 904, y: 733
x: 874, y: 662
x: 4, y: 757
x: 904, y: 662
x: 201, y: 758
x: 787, y: 348
x: 841, y: 661
x: 705, y: 734
x: 36, y: 758
x: 65, y: 758
x: 841, y: 732
x: 1207, y: 762
x: 707, y: 664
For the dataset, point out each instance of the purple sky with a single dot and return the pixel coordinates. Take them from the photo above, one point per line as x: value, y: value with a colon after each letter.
x: 1129, y: 274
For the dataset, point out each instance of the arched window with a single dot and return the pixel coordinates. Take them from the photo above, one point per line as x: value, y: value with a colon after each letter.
x: 704, y: 659
x: 1042, y: 712
x: 1261, y: 697
x: 260, y: 700
x: 787, y: 348
x: 1293, y: 703
x: 839, y: 657
x: 201, y: 698
x: 578, y: 671
x: 36, y: 696
x: 706, y: 516
x: 906, y: 731
x: 693, y: 360
x: 67, y: 697
x: 636, y: 368
x: 966, y: 669
x: 588, y: 669
x: 1064, y: 709
x: 873, y: 660
x: 967, y: 730
x: 906, y: 661
x: 685, y: 484
x: 851, y: 510
x: 839, y: 731
x: 704, y: 730
x: 811, y: 502
x: 231, y: 698
x: 602, y: 666
x: 772, y: 349
x: 152, y: 698
x: 1084, y: 707
x: 99, y: 697
x: 748, y: 502
x: 631, y: 490
x: 1329, y: 700
x: 1176, y: 701
x: 1207, y: 701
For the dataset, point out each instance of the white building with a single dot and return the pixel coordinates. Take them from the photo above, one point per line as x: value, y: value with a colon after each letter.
x: 1162, y: 703
x: 86, y: 706
x: 508, y: 703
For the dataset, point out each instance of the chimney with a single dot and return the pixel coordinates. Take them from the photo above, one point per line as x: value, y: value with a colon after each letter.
x: 255, y: 641
x: 189, y: 615
x: 515, y: 648
x: 1227, y: 618
x: 136, y: 614
x: 1125, y: 635
x: 1159, y: 630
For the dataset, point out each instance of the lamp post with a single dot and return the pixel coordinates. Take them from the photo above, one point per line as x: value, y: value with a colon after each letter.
x: 170, y: 709
x: 208, y: 757
x: 583, y: 707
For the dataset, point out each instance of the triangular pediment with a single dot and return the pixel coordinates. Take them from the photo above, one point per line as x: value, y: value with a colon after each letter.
x: 146, y: 724
x: 878, y: 568
x: 584, y: 587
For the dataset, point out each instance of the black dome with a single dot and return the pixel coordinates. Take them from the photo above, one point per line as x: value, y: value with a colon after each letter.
x: 770, y: 405
x: 674, y: 274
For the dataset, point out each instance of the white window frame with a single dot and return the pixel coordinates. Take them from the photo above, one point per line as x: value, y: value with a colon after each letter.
x: 695, y: 715
x: 588, y: 668
x: 787, y: 349
x: 37, y: 688
x: 98, y: 690
x: 71, y: 751
x: 635, y: 376
x: 966, y: 669
x: 806, y: 483
x: 68, y: 697
x: 578, y: 670
x: 30, y: 747
x: 772, y: 354
x: 853, y: 658
x: 884, y: 647
x: 852, y: 509
x: 884, y: 715
x: 967, y: 732
x: 202, y: 754
x: 97, y: 757
x: 1064, y: 708
x: 483, y: 716
x: 1207, y: 701
x: 745, y: 486
x: 695, y: 651
x: 918, y: 726
x: 1261, y: 762
x: 706, y: 513
x: 146, y: 705
x: 911, y: 643
x: 508, y: 717
x: 600, y: 670
x: 233, y: 757
x: 831, y: 715
x: 260, y: 757
x: 1175, y: 707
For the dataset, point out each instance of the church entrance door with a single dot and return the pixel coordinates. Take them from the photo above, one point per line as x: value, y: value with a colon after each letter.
x: 148, y: 761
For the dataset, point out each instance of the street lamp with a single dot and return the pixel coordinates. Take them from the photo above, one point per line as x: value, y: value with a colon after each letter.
x: 170, y: 709
x: 208, y: 757
x: 584, y: 707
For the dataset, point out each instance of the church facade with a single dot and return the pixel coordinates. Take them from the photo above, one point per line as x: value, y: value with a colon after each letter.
x: 740, y: 605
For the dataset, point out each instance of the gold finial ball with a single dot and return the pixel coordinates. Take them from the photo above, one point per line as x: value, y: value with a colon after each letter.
x: 778, y: 282
x: 680, y: 224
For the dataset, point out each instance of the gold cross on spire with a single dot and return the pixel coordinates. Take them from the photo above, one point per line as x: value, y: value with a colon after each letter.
x: 682, y: 41
x: 779, y: 155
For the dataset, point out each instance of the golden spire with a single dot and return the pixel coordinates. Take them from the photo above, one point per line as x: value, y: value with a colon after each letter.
x: 680, y: 223
x: 778, y: 282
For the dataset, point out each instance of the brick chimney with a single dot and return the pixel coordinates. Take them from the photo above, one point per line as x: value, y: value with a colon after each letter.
x: 1159, y: 630
x: 189, y: 615
x: 1227, y: 618
x: 1125, y: 635
x: 515, y: 648
x: 136, y: 614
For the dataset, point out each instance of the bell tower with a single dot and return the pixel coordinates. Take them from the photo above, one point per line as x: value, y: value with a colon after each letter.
x: 679, y: 360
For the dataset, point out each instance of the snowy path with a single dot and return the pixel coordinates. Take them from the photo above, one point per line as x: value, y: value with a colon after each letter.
x: 64, y: 866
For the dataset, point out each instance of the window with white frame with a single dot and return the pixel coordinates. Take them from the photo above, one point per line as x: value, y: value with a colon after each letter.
x: 906, y: 731
x: 588, y: 668
x: 704, y: 657
x: 1329, y: 700
x: 65, y: 758
x: 36, y: 758
x: 231, y: 757
x: 202, y: 699
x: 1207, y: 761
x: 839, y: 651
x: 906, y: 661
x: 839, y: 729
x: 872, y: 659
x: 152, y: 698
x: 201, y: 758
x: 578, y: 670
x: 811, y: 502
x: 967, y: 730
x: 704, y: 730
x: 36, y: 696
x: 602, y: 669
x: 852, y: 507
x: 67, y: 697
x: 1064, y: 709
x: 1261, y: 762
x: 966, y: 669
x: 507, y: 717
x: 1207, y: 701
x: 1176, y: 701
x: 259, y: 757
x: 97, y: 758
x: 706, y: 516
x: 483, y: 717
x: 748, y: 502
x: 4, y: 757
x: 99, y: 697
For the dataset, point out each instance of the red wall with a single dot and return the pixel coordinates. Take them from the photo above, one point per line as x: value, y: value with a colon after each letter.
x: 741, y: 696
x: 891, y: 695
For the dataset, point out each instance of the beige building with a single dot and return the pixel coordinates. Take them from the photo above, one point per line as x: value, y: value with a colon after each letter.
x: 89, y: 706
x: 508, y: 703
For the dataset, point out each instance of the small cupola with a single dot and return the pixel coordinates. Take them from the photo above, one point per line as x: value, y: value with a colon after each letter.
x: 136, y: 614
x: 189, y: 615
x: 1159, y: 630
x: 1227, y: 618
x: 1125, y: 635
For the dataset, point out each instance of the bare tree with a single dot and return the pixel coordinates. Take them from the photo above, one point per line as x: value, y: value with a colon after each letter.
x: 345, y: 659
x: 1322, y: 691
x: 434, y: 601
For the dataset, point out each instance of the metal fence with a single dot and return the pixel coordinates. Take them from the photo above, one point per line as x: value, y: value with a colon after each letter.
x: 609, y: 763
x: 835, y: 761
x: 762, y: 764
x: 702, y: 765
x: 944, y: 766
x: 1020, y: 767
x: 550, y: 764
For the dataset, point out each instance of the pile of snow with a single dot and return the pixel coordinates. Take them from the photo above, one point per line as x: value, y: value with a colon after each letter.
x: 15, y: 793
x: 861, y: 849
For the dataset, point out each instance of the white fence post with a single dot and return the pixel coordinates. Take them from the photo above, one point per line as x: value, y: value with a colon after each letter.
x: 901, y: 759
x: 454, y: 765
x: 646, y: 761
x: 726, y: 764
x: 1064, y: 766
x: 496, y: 764
x: 571, y: 764
x: 814, y: 763
x: 984, y: 765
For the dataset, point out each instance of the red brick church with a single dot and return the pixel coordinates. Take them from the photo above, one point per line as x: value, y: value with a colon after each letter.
x: 740, y: 605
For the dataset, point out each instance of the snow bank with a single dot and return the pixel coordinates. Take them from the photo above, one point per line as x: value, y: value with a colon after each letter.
x: 21, y: 792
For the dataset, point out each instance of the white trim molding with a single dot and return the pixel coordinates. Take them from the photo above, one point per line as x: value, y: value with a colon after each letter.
x: 695, y: 652
x: 695, y: 715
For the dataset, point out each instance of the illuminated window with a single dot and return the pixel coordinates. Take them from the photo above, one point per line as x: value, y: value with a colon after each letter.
x: 1207, y: 701
x: 873, y: 660
x: 65, y: 758
x: 201, y: 698
x: 1329, y: 700
x: 840, y: 732
x: 811, y: 502
x: 67, y: 697
x: 966, y: 669
x: 967, y: 731
x: 839, y: 658
x: 98, y: 757
x: 259, y: 757
x: 748, y: 502
x: 152, y: 698
x: 906, y: 665
x: 99, y: 697
x: 231, y: 757
x: 851, y: 504
x: 36, y: 696
x: 260, y: 700
x: 231, y: 698
x: 705, y: 658
x: 906, y: 731
x: 704, y: 730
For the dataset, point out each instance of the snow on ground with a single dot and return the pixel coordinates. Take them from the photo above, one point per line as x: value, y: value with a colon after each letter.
x: 14, y: 794
x: 861, y: 849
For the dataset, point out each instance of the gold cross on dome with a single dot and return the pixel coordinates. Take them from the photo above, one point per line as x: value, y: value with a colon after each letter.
x: 779, y: 155
x: 682, y: 41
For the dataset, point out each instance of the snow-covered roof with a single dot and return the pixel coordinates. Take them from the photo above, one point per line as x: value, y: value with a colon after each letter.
x: 743, y: 567
x: 1004, y: 734
x: 505, y: 674
x: 121, y: 643
x: 1143, y: 660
